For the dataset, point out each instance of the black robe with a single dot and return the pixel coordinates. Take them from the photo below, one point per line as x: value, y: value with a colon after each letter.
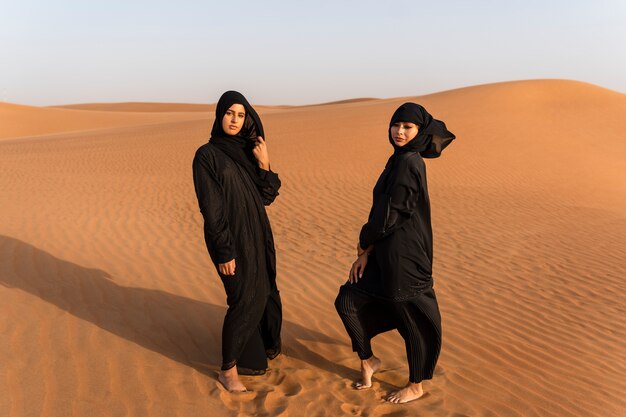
x: 396, y: 287
x: 236, y: 226
x: 399, y: 227
x: 397, y: 279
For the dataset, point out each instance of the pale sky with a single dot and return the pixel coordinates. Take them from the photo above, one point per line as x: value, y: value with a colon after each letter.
x: 294, y: 52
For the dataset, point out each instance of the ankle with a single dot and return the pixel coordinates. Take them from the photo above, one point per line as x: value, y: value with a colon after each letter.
x: 415, y: 386
x: 230, y: 373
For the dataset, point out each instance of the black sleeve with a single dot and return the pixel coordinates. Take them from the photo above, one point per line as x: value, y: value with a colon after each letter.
x: 393, y: 208
x: 209, y: 191
x: 269, y: 192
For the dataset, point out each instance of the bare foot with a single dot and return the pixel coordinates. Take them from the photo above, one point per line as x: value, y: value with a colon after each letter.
x: 409, y: 393
x: 230, y: 380
x: 368, y: 367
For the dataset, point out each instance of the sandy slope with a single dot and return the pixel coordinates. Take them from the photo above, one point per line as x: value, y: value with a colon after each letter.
x: 110, y: 306
x: 141, y: 107
x: 20, y: 121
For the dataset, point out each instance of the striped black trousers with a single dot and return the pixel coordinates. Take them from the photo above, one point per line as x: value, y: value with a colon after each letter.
x: 365, y: 316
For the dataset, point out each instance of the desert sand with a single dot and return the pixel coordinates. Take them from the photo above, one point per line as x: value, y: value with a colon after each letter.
x: 111, y: 307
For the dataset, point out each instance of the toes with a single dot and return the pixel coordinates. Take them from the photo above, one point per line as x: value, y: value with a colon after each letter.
x: 395, y: 398
x: 401, y: 398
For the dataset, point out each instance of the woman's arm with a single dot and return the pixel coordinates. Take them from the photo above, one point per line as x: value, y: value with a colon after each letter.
x: 217, y: 234
x: 392, y: 209
x: 269, y: 192
x: 360, y: 251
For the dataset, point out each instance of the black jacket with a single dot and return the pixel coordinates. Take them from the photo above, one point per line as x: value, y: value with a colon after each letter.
x: 236, y: 225
x: 399, y: 227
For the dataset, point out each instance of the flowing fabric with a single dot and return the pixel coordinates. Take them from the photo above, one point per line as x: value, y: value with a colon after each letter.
x: 239, y: 147
x: 432, y: 137
x: 397, y: 280
x: 232, y: 194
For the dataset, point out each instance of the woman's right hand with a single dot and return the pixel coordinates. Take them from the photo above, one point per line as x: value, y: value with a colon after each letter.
x: 227, y: 268
x: 260, y: 153
x: 356, y: 272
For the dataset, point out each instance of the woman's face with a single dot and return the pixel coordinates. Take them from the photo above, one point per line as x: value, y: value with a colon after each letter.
x: 403, y: 132
x: 233, y: 119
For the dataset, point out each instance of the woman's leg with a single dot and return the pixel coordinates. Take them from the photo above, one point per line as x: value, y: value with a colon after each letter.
x: 415, y: 335
x: 240, y: 323
x: 252, y: 360
x: 363, y: 319
x: 349, y: 305
x: 271, y: 324
x: 422, y: 349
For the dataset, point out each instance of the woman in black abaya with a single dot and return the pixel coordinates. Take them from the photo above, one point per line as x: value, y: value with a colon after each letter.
x: 390, y: 284
x: 234, y: 183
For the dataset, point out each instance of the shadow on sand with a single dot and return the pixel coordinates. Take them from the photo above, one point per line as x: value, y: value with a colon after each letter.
x: 183, y: 329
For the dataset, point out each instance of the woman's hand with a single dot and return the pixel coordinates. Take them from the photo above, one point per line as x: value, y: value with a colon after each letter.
x: 260, y: 153
x: 356, y: 272
x: 227, y: 268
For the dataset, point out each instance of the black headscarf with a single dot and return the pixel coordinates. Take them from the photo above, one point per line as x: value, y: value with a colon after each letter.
x: 239, y: 147
x: 432, y: 137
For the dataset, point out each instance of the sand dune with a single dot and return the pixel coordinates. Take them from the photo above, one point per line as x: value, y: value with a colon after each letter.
x: 111, y: 306
x: 20, y: 121
x: 141, y: 107
x: 158, y: 107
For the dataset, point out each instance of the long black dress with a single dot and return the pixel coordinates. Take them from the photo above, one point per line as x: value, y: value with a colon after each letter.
x: 232, y: 196
x: 396, y: 288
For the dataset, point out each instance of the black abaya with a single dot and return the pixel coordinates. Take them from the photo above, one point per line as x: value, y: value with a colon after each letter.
x: 396, y: 287
x: 232, y: 195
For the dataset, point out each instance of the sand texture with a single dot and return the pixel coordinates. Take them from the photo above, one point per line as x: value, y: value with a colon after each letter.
x: 110, y: 305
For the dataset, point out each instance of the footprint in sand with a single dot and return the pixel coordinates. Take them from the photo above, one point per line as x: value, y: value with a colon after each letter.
x: 291, y: 388
x: 234, y: 400
x: 351, y: 410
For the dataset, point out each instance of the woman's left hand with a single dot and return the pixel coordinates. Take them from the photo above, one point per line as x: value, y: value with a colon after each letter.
x: 356, y: 272
x: 260, y: 153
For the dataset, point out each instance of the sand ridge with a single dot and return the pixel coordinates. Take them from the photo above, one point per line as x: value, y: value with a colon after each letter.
x: 111, y: 306
x: 142, y: 107
x: 27, y: 121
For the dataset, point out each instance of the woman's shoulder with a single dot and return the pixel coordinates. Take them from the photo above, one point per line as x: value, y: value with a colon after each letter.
x: 212, y: 158
x: 206, y: 157
x: 410, y: 160
x: 208, y: 152
x: 205, y: 149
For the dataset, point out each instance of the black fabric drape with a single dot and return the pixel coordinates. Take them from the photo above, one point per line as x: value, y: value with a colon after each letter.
x: 432, y: 137
x: 365, y: 317
x: 232, y: 199
x: 399, y: 269
x: 399, y: 223
x: 239, y: 147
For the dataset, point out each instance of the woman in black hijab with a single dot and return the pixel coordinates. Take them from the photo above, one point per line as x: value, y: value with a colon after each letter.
x: 390, y: 284
x: 233, y: 183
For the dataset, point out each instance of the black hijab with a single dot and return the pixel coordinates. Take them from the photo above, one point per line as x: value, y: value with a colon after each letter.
x: 432, y: 137
x: 239, y: 147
